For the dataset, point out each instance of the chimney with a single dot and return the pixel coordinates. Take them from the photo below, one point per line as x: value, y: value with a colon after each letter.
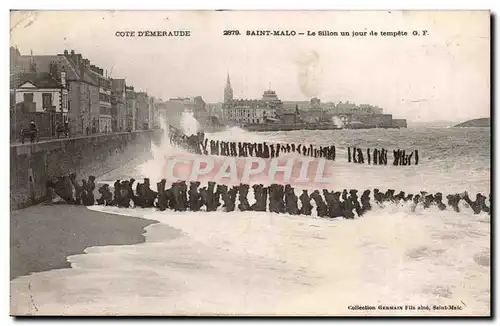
x: 79, y: 60
x: 73, y: 56
x: 53, y: 69
x: 66, y: 52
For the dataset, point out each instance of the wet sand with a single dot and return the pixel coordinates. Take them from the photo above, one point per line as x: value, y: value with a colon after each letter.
x: 41, y: 237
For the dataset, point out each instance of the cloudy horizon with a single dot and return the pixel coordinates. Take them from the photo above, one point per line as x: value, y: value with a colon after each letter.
x: 442, y: 76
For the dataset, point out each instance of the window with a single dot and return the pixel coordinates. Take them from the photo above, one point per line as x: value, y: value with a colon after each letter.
x: 104, y: 97
x: 95, y: 125
x: 28, y: 97
x: 46, y: 100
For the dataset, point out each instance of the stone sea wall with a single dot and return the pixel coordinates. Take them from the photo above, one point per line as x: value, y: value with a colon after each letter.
x: 31, y: 165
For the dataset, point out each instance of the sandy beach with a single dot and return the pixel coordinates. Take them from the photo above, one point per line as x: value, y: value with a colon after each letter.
x: 41, y: 237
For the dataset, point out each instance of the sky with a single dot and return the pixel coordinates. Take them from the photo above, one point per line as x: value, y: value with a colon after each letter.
x: 444, y: 75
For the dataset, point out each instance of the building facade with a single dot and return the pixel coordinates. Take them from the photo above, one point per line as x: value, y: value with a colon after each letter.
x: 250, y: 111
x: 261, y: 111
x: 91, y: 100
x: 83, y: 91
x: 159, y: 107
x: 399, y: 123
x: 84, y: 102
x: 142, y: 111
x: 151, y: 107
x: 131, y: 105
x: 270, y: 109
x: 378, y: 120
x: 118, y: 105
x: 42, y: 92
x: 199, y: 108
x: 104, y: 85
x: 243, y: 111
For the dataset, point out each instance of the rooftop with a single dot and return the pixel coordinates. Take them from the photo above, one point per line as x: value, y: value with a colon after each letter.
x: 40, y: 80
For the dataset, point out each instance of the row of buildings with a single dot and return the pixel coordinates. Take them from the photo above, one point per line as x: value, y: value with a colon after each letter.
x: 269, y: 109
x: 244, y: 111
x: 67, y: 87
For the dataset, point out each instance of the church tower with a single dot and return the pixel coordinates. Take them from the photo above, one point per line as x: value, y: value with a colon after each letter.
x: 228, y: 91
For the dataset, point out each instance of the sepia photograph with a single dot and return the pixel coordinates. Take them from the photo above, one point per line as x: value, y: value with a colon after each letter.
x: 250, y: 163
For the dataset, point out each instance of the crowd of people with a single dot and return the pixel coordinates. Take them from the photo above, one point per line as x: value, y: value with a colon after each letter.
x: 276, y: 198
x: 379, y: 156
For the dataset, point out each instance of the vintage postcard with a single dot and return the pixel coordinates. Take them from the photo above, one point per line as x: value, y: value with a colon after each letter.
x: 250, y: 163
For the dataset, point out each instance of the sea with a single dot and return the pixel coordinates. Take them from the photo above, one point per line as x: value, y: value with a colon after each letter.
x: 391, y: 261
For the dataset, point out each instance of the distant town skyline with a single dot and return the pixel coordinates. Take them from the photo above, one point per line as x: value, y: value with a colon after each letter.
x: 443, y: 76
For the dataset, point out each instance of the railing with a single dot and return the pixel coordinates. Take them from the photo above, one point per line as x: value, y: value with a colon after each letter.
x: 50, y: 126
x: 46, y: 122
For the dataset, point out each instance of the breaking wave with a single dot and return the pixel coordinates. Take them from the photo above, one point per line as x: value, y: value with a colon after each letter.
x: 264, y: 263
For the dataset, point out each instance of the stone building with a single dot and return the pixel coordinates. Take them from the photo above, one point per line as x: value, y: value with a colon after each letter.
x: 399, y: 123
x: 39, y: 97
x: 83, y: 91
x: 200, y: 109
x: 118, y: 105
x: 131, y: 105
x: 42, y: 92
x: 228, y: 90
x: 244, y: 112
x: 172, y: 112
x: 104, y: 84
x: 142, y: 111
x: 158, y: 109
x: 151, y: 107
x: 84, y: 102
x: 255, y: 111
